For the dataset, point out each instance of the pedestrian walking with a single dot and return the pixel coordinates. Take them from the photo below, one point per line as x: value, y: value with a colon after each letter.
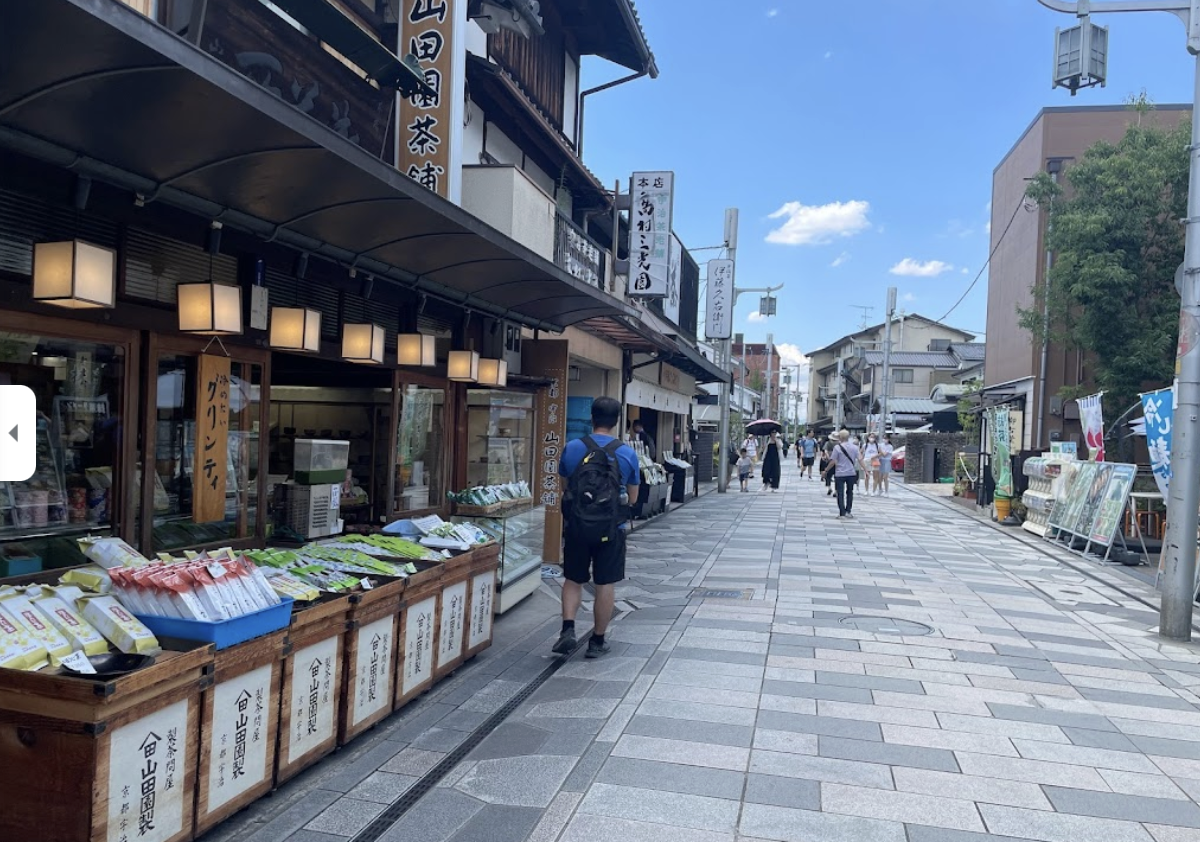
x: 751, y: 446
x: 885, y: 462
x: 806, y: 453
x: 771, y: 463
x: 745, y: 465
x: 732, y: 458
x: 602, y: 482
x: 870, y: 464
x: 844, y: 462
x: 826, y: 459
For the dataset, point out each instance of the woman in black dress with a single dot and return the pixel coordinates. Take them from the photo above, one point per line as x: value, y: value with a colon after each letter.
x: 770, y: 465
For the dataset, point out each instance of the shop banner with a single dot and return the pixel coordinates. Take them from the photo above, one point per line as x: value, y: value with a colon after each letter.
x: 1002, y: 452
x: 428, y: 32
x: 1159, y: 410
x: 1091, y: 415
x: 652, y: 194
x: 548, y: 359
x: 718, y: 320
x: 210, y: 475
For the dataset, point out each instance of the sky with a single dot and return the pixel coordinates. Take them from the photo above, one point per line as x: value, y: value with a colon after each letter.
x: 857, y: 140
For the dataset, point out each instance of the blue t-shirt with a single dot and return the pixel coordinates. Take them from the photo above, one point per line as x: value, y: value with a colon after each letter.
x: 627, y: 461
x: 810, y: 448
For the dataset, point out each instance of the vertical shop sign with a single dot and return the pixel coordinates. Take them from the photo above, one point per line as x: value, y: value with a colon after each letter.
x: 312, y: 697
x: 146, y: 764
x: 675, y: 268
x: 482, y: 588
x: 373, y: 665
x: 450, y: 635
x: 1159, y: 411
x: 238, y: 751
x: 719, y: 303
x: 427, y: 29
x: 212, y: 439
x: 652, y: 195
x: 418, y: 644
x: 1002, y: 452
x: 548, y: 360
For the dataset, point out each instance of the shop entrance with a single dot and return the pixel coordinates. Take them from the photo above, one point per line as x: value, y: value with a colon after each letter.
x: 333, y: 401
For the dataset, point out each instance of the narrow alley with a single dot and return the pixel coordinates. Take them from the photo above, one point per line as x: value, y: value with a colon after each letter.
x: 912, y: 675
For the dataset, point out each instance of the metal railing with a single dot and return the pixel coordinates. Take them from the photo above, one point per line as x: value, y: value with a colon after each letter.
x: 578, y: 253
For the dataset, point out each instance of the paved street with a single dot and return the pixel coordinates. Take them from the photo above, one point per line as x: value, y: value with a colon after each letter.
x: 912, y: 675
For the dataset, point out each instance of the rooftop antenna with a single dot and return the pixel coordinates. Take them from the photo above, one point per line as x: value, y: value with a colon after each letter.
x: 866, y: 314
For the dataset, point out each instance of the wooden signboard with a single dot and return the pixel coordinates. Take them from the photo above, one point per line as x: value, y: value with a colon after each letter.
x: 210, y: 474
x: 427, y: 31
x: 548, y: 359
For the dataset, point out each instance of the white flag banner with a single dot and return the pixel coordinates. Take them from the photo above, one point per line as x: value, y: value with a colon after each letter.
x: 1091, y: 416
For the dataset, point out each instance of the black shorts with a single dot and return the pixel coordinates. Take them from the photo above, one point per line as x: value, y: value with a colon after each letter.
x: 602, y: 563
x: 808, y: 460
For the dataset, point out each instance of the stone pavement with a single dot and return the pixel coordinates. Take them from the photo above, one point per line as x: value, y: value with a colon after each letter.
x: 911, y: 675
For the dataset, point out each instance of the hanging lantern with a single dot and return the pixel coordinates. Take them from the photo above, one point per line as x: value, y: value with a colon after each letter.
x: 463, y: 366
x: 210, y: 309
x: 416, y: 349
x: 74, y: 274
x: 362, y: 343
x: 295, y: 329
x: 493, y: 372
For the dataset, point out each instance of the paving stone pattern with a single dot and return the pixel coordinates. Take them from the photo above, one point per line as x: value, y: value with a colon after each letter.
x: 1040, y: 706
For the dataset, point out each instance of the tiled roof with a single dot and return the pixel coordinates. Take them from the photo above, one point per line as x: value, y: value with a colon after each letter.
x: 915, y: 359
x: 971, y: 352
x: 917, y: 406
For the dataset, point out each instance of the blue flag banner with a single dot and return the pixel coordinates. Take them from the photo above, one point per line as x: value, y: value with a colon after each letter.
x: 1159, y: 410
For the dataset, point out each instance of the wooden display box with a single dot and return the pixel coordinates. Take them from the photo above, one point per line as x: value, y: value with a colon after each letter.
x: 370, y: 671
x: 451, y: 620
x: 103, y: 761
x: 239, y: 725
x: 481, y: 596
x: 312, y: 686
x: 418, y: 612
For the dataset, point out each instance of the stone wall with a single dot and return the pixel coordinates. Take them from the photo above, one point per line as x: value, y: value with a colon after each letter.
x: 914, y: 455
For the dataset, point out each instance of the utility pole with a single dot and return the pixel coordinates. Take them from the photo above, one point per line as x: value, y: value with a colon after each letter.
x: 731, y: 227
x: 1089, y: 67
x: 837, y: 413
x: 767, y: 387
x: 887, y: 360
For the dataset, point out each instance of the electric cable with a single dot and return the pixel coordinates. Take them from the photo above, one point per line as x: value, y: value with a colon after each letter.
x: 988, y: 262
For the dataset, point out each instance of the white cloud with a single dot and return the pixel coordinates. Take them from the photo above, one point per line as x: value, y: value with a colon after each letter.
x: 908, y: 296
x: 772, y: 13
x: 756, y: 317
x: 840, y: 260
x: 815, y: 225
x: 914, y: 269
x: 965, y: 270
x: 829, y: 55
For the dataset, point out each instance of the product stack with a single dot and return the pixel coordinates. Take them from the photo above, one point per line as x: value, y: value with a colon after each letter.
x: 656, y: 489
x: 1044, y: 474
x: 310, y: 502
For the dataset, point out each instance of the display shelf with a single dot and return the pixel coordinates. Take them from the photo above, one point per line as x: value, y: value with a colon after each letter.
x: 520, y: 534
x: 1044, y: 474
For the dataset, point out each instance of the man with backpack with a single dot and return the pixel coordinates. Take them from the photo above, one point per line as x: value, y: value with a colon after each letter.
x: 600, y: 471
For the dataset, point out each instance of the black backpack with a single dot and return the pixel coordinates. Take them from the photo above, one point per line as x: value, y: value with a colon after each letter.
x: 594, y: 494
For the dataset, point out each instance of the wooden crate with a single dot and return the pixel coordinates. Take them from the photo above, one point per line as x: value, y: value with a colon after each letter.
x: 481, y: 593
x: 112, y: 761
x: 312, y: 687
x: 418, y: 611
x: 240, y: 709
x: 451, y: 621
x: 370, y: 671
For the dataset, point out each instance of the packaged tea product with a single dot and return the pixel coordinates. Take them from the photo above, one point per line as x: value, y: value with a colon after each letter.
x: 66, y: 619
x: 19, y: 649
x: 21, y: 611
x: 122, y: 629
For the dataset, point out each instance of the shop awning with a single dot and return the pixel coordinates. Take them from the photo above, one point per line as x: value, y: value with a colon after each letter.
x: 631, y: 334
x: 95, y: 87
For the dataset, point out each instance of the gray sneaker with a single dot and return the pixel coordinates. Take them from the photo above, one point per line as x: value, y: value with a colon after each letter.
x: 566, y: 643
x: 596, y: 649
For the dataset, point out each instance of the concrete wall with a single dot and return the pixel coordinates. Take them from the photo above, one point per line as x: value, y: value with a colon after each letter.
x: 914, y: 454
x: 506, y: 199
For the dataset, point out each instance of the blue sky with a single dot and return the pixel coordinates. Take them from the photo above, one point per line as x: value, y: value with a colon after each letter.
x: 871, y: 128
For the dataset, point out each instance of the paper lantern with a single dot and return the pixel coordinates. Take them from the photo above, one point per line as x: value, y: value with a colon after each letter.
x: 416, y: 349
x: 362, y: 343
x: 295, y: 329
x: 493, y: 372
x: 74, y: 274
x: 463, y: 366
x: 210, y: 309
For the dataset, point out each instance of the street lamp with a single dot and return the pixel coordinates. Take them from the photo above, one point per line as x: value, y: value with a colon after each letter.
x: 1179, y: 546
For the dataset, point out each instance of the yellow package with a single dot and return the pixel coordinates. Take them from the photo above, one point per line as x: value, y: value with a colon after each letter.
x: 19, y: 650
x: 95, y: 579
x: 122, y: 629
x: 21, y: 611
x: 79, y: 631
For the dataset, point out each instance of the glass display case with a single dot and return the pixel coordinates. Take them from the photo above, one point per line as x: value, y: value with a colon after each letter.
x: 521, y: 534
x: 500, y: 429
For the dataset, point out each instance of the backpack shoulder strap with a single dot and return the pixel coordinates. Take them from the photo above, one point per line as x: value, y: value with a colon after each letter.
x: 612, y: 447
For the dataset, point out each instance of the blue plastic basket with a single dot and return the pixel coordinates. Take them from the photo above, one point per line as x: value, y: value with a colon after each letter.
x: 227, y: 632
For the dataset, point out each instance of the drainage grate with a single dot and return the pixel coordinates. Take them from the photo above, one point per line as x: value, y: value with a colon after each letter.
x: 709, y: 593
x: 430, y: 779
x: 888, y: 625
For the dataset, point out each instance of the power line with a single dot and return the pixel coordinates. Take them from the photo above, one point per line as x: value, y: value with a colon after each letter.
x: 988, y: 262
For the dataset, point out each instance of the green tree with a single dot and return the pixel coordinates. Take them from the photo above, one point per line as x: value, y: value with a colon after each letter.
x: 1115, y: 233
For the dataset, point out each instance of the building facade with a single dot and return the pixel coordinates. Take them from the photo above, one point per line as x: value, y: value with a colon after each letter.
x: 1019, y: 371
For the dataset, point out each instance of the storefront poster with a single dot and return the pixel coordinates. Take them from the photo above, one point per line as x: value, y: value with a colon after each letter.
x: 652, y: 195
x: 428, y: 31
x: 1002, y: 452
x: 1092, y: 498
x: 1108, y: 518
x: 1091, y: 415
x: 450, y: 633
x: 212, y: 431
x: 418, y: 644
x: 674, y: 275
x: 1076, y: 495
x: 238, y: 747
x: 312, y: 697
x: 373, y: 665
x: 1159, y: 411
x: 146, y: 776
x: 548, y: 359
x: 1062, y: 502
x: 482, y: 588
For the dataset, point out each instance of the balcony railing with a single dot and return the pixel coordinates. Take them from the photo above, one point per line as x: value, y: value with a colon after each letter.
x: 576, y: 252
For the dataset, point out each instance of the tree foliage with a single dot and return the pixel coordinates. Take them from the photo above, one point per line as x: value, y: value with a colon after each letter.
x: 1115, y: 232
